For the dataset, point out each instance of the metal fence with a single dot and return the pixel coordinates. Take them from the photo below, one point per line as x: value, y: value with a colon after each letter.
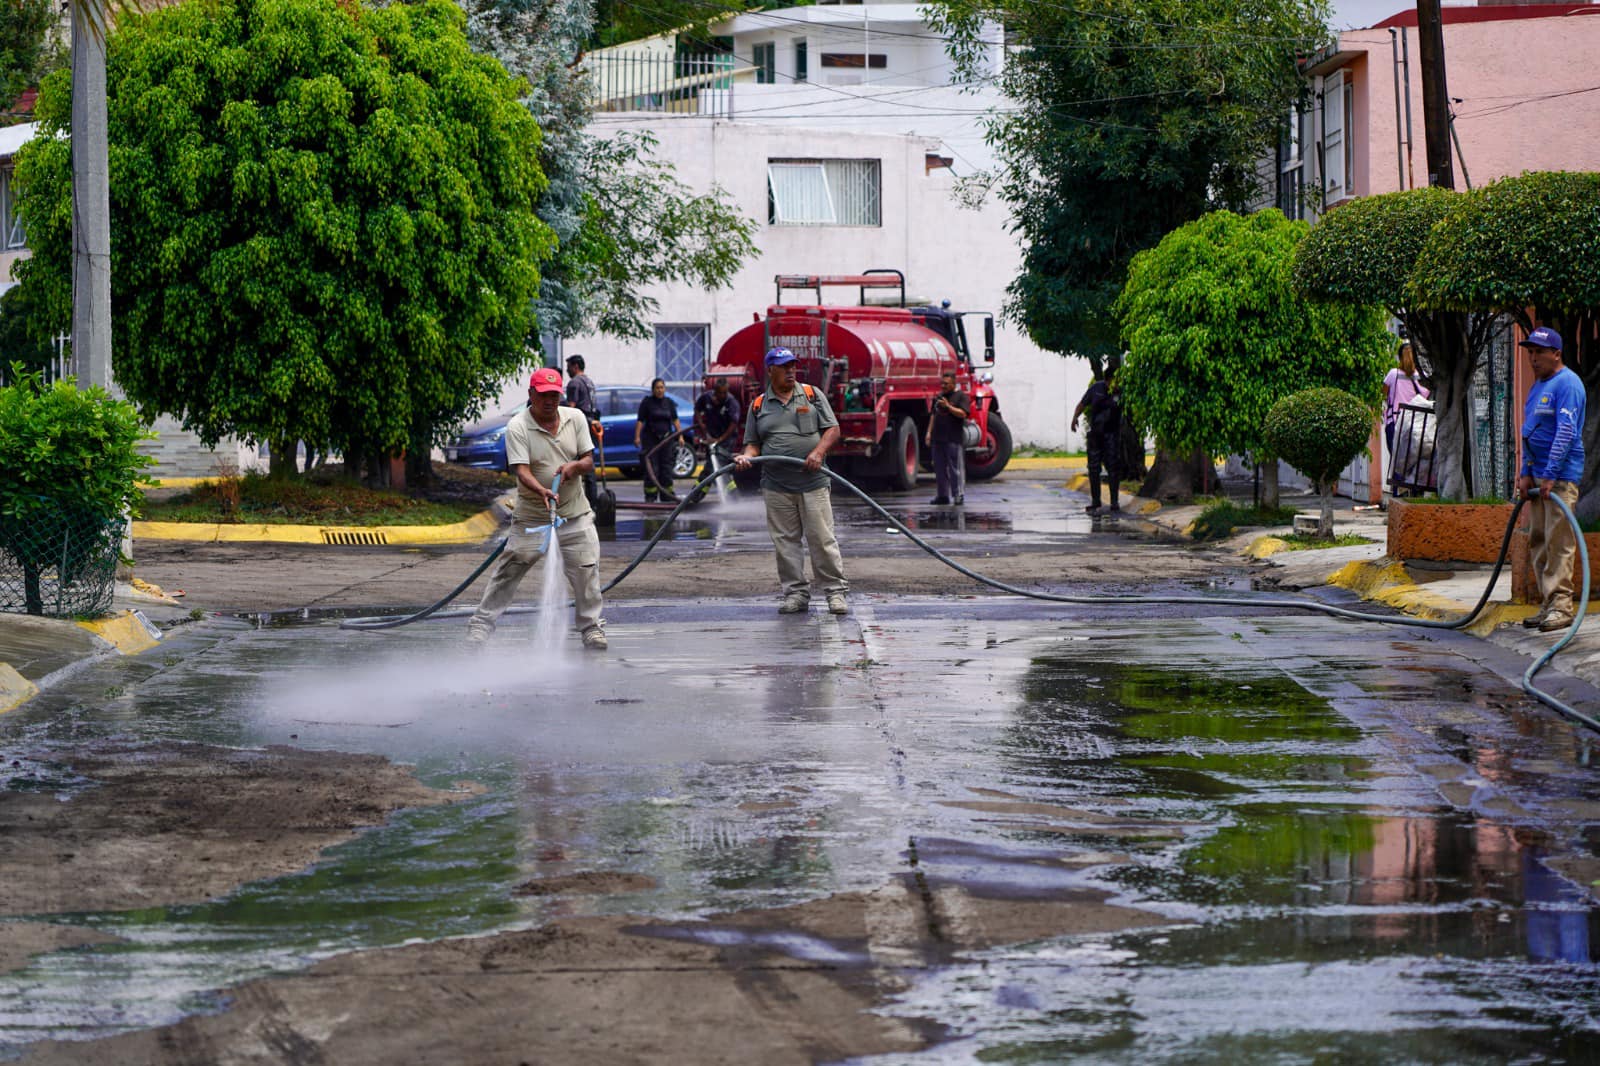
x: 1411, y: 460
x: 62, y: 563
x: 60, y: 365
x: 694, y: 85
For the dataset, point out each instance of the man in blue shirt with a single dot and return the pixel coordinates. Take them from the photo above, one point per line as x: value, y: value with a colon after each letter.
x: 1552, y: 463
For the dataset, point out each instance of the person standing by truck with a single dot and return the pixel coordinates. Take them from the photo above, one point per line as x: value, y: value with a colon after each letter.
x: 796, y: 421
x: 946, y: 427
x: 658, y: 420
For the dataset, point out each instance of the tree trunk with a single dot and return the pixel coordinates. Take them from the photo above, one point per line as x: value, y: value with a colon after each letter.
x: 1172, y: 477
x: 32, y: 594
x: 1269, y: 483
x: 1325, y: 522
x: 1452, y: 441
x: 281, y: 459
x: 419, y: 468
x: 1130, y: 449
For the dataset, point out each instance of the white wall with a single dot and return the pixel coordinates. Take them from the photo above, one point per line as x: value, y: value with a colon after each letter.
x: 947, y: 252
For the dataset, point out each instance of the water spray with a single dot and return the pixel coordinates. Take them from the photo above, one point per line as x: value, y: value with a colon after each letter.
x: 437, y: 610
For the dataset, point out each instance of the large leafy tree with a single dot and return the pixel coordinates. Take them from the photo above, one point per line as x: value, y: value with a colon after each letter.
x: 1365, y: 253
x: 1526, y: 246
x: 24, y: 47
x: 324, y: 219
x: 1130, y: 118
x: 1216, y: 334
x: 622, y: 219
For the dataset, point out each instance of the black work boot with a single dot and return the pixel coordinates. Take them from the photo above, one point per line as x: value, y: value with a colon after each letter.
x: 1094, y: 494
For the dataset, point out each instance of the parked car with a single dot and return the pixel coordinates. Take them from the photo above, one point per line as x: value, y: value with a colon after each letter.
x: 483, y: 444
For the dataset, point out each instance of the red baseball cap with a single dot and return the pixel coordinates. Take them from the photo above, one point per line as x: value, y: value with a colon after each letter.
x: 546, y: 380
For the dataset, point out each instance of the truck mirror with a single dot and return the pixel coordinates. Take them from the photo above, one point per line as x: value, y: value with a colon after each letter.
x: 988, y: 339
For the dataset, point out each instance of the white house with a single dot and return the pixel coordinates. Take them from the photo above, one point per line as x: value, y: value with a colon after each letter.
x: 837, y: 128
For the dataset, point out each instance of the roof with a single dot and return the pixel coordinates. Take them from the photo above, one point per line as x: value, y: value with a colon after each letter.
x: 1493, y: 13
x: 14, y: 137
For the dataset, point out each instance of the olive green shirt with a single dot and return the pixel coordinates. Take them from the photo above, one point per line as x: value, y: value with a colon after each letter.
x: 530, y: 445
x: 792, y: 429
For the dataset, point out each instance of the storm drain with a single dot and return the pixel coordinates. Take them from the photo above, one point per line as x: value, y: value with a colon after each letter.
x: 353, y: 536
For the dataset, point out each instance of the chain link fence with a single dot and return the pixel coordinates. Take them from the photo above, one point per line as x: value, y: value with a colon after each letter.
x: 62, y: 564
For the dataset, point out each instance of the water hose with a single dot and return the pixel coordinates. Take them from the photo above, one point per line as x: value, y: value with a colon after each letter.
x: 437, y: 610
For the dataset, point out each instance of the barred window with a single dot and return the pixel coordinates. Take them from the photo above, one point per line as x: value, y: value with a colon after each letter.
x: 824, y: 192
x: 12, y: 238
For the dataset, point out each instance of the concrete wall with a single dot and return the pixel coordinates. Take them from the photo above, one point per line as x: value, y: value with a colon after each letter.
x: 967, y: 256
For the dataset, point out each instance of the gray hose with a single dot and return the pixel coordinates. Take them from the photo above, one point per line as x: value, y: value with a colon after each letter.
x: 435, y: 611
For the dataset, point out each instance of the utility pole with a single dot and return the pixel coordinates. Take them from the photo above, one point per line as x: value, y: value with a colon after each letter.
x: 1435, y: 96
x: 91, y: 198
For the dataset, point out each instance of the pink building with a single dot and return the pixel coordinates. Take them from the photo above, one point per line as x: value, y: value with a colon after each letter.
x: 1525, y: 89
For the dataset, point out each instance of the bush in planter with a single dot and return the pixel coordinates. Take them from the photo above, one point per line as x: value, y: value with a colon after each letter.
x: 69, y: 472
x: 1319, y: 432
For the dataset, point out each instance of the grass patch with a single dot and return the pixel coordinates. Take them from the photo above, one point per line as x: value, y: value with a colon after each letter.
x: 1299, y: 542
x: 1031, y: 451
x: 1221, y: 517
x: 324, y: 502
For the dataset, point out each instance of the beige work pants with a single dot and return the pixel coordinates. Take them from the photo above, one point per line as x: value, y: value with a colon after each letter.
x: 793, y: 516
x: 1552, y: 548
x: 580, y: 559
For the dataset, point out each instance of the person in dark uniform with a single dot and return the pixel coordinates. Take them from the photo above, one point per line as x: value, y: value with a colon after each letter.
x: 718, y: 419
x: 658, y: 420
x: 580, y: 394
x: 946, y: 427
x: 1104, y: 404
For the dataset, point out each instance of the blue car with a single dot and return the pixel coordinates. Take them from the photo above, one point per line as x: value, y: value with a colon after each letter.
x: 483, y: 444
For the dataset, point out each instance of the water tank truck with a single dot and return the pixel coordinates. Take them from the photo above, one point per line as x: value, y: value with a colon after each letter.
x: 879, y: 366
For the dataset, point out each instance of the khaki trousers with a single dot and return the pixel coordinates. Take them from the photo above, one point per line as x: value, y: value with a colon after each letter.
x: 792, y: 516
x: 1552, y: 548
x: 580, y: 559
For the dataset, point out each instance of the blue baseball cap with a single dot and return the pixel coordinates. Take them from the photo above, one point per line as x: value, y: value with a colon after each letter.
x: 780, y: 356
x: 1543, y: 337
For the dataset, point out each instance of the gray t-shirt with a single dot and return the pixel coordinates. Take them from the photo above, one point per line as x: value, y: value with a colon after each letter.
x: 792, y: 429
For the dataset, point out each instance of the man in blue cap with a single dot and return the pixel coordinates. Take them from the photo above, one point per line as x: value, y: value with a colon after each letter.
x: 797, y: 422
x: 1552, y: 463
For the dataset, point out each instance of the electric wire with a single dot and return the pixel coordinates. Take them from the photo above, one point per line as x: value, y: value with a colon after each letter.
x: 1332, y: 610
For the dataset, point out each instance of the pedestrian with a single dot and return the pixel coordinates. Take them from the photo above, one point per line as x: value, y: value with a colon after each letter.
x: 546, y: 441
x: 658, y: 420
x: 1104, y: 403
x: 796, y: 421
x: 717, y: 422
x: 946, y: 428
x: 581, y: 395
x: 1552, y: 463
x: 1400, y: 386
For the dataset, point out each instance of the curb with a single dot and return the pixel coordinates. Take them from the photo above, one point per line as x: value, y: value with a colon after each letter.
x: 475, y: 529
x: 128, y: 633
x: 1387, y: 582
x: 1079, y: 481
x: 15, y: 690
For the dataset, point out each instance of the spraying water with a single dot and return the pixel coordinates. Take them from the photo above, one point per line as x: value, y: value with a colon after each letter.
x: 550, y: 622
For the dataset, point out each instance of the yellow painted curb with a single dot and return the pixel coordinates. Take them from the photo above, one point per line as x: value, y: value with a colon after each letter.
x: 1264, y: 546
x: 475, y: 529
x: 1387, y: 582
x: 1078, y: 482
x: 1043, y: 462
x: 15, y: 690
x: 130, y: 633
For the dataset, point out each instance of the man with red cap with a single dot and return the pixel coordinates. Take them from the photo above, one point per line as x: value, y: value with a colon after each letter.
x: 544, y: 442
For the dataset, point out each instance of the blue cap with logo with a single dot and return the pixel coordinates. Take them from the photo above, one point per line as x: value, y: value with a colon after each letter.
x: 1543, y: 337
x: 779, y: 356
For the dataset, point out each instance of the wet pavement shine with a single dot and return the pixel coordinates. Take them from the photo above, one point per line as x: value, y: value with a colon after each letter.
x: 1345, y: 836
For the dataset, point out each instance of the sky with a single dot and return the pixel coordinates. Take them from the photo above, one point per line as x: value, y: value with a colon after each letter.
x: 1351, y: 13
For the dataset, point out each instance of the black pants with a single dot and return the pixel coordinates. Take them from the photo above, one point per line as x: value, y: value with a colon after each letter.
x: 659, y: 464
x: 1105, y: 451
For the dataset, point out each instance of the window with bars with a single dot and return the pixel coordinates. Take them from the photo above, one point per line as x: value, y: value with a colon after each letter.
x: 12, y: 237
x: 681, y: 355
x: 824, y: 192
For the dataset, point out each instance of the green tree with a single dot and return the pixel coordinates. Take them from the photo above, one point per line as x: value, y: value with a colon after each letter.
x: 1526, y: 246
x: 1132, y: 117
x: 1319, y: 432
x: 69, y: 470
x: 324, y: 215
x: 1216, y: 334
x: 1366, y: 253
x: 25, y: 51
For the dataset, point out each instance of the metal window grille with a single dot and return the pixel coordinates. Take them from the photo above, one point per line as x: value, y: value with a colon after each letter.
x: 824, y: 192
x: 765, y: 58
x: 686, y: 84
x: 12, y: 236
x: 681, y: 355
x: 1494, y: 451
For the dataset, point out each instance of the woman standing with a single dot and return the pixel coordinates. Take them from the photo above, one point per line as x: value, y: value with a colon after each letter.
x: 1400, y: 386
x: 658, y: 420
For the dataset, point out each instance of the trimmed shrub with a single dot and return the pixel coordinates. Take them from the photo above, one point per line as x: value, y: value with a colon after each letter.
x: 1319, y: 432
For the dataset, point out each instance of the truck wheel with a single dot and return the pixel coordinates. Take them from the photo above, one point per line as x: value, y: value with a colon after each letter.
x: 683, y: 463
x: 993, y: 451
x: 906, y: 452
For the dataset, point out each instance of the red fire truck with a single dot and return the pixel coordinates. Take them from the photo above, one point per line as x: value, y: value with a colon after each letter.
x: 879, y: 366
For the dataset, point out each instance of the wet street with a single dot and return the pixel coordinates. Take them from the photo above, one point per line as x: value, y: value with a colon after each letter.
x: 1093, y: 833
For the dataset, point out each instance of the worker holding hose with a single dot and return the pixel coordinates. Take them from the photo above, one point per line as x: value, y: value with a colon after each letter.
x: 796, y: 421
x: 548, y: 449
x: 1552, y: 463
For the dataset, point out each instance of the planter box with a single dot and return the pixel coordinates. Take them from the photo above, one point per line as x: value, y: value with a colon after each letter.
x: 1446, y: 532
x: 1525, y: 586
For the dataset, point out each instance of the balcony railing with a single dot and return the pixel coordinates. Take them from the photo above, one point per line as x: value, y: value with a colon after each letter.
x: 692, y: 85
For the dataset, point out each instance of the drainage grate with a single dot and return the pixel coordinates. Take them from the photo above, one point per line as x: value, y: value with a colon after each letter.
x: 353, y: 536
